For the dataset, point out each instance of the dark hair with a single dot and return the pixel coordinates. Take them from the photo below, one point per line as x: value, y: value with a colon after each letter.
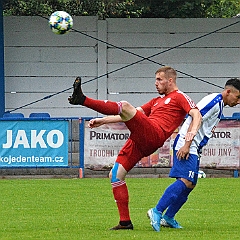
x: 235, y: 82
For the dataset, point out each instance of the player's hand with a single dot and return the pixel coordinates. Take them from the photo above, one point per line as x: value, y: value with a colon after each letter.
x: 183, y: 152
x: 190, y: 135
x: 96, y: 122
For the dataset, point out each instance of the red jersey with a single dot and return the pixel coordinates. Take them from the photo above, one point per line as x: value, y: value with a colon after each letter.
x: 169, y: 111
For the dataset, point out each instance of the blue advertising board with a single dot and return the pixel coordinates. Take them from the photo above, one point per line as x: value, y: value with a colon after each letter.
x: 34, y: 143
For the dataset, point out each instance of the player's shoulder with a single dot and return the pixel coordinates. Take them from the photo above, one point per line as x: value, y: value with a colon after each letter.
x: 211, y: 103
x: 184, y: 98
x: 216, y: 97
x: 180, y: 93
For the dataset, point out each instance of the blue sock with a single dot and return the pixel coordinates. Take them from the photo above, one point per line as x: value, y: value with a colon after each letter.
x: 170, y: 195
x: 176, y: 205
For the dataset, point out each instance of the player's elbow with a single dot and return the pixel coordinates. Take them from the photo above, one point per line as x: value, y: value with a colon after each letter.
x: 196, y: 115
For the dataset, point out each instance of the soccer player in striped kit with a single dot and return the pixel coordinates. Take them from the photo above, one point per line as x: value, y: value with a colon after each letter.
x: 186, y: 155
x: 150, y: 125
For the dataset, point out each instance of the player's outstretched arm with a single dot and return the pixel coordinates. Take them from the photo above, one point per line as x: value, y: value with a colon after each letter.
x: 183, y: 152
x: 196, y: 123
x: 96, y: 122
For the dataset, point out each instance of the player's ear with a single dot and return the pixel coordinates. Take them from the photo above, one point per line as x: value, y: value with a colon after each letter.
x: 228, y: 91
x: 171, y: 80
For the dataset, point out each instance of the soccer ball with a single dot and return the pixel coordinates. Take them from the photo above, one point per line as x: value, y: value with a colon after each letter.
x: 201, y: 174
x: 60, y: 22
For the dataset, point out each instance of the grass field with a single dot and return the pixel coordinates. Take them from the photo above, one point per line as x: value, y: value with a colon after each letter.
x: 85, y: 209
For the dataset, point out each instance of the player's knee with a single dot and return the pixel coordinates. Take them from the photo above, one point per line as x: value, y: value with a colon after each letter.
x: 188, y: 183
x: 128, y: 111
x: 125, y: 105
x: 113, y: 173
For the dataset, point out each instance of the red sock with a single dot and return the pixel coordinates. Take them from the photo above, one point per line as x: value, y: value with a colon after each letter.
x: 105, y: 107
x: 120, y: 193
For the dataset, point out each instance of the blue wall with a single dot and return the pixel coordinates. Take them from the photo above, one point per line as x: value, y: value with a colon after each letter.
x: 2, y: 95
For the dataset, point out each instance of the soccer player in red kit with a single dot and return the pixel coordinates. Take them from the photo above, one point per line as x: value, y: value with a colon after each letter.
x: 150, y: 126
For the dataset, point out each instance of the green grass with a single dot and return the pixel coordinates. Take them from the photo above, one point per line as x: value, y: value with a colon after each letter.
x: 85, y: 209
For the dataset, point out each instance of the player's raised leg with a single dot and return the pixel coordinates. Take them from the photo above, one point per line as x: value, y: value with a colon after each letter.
x: 122, y: 108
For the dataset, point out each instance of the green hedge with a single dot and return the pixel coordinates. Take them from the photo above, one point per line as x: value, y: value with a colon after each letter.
x: 125, y: 9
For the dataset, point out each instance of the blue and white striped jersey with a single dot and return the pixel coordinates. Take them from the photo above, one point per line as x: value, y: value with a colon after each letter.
x: 211, y: 108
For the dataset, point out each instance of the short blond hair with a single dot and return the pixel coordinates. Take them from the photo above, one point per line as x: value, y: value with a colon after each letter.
x: 169, y: 72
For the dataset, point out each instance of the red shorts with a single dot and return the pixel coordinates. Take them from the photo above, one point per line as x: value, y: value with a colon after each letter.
x: 145, y: 139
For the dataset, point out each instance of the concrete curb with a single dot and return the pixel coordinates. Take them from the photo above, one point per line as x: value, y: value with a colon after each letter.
x: 89, y: 173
